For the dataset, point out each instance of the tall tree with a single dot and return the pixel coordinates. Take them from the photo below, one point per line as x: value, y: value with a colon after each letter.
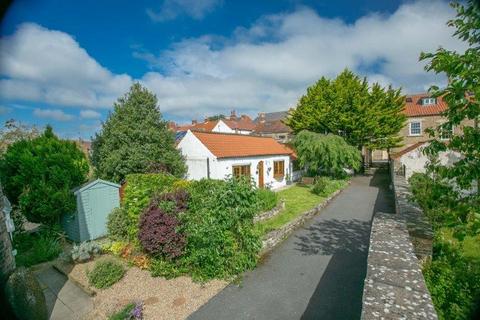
x: 135, y: 139
x: 461, y: 95
x: 38, y: 175
x: 364, y: 115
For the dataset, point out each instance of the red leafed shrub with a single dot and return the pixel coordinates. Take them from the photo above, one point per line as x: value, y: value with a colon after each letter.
x: 178, y: 200
x: 158, y: 233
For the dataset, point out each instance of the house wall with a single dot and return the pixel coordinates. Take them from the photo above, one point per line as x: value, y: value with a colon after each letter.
x: 196, y: 155
x: 282, y: 137
x: 415, y: 161
x: 222, y: 168
x: 427, y: 122
x: 222, y: 127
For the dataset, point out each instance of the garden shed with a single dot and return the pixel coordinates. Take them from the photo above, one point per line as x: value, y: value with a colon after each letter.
x: 95, y: 200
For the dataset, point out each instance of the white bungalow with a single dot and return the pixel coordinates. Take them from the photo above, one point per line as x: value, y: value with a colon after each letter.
x: 219, y: 155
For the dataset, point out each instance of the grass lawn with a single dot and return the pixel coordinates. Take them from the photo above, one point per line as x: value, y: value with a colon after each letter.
x: 298, y: 199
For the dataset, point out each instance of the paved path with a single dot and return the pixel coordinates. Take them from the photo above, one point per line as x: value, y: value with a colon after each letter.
x: 64, y: 299
x: 318, y: 272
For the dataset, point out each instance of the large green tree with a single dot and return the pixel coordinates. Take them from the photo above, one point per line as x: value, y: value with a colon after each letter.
x: 135, y: 139
x: 461, y: 94
x: 364, y: 115
x: 38, y: 175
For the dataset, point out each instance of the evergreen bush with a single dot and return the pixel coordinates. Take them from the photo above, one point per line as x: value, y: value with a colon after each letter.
x: 117, y: 224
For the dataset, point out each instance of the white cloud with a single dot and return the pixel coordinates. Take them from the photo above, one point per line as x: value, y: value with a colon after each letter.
x: 171, y: 9
x: 266, y: 66
x: 53, y: 114
x: 38, y: 64
x: 90, y: 114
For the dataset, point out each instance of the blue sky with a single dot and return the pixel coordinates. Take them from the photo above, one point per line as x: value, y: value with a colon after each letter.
x: 65, y: 64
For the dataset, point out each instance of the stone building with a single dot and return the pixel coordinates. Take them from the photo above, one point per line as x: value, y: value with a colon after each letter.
x: 271, y: 125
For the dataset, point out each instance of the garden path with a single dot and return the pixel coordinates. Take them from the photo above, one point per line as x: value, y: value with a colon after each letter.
x: 64, y: 299
x: 318, y: 271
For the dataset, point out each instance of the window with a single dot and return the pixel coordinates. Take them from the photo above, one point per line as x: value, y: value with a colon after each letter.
x: 446, y: 132
x: 241, y: 171
x: 415, y: 128
x: 278, y: 169
x: 428, y: 101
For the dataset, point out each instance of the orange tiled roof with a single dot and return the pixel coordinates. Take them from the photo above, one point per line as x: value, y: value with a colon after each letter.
x: 242, y: 123
x: 225, y: 145
x: 415, y: 107
x: 276, y: 126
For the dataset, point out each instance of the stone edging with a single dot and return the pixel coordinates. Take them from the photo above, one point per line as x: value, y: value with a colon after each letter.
x: 269, y: 214
x: 62, y: 268
x: 271, y: 239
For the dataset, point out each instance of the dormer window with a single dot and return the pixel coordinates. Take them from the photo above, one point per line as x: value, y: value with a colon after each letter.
x: 428, y: 101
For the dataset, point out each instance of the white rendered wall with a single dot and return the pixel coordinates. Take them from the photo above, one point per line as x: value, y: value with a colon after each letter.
x: 222, y: 127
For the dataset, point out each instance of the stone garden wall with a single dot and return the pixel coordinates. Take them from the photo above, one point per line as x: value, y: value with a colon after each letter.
x: 269, y: 214
x: 394, y: 285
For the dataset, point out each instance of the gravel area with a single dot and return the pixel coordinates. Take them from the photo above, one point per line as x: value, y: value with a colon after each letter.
x: 163, y: 299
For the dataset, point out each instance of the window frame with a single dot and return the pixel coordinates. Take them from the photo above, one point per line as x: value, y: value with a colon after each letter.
x: 277, y: 173
x: 410, y: 133
x: 429, y: 101
x: 452, y: 132
x: 244, y: 170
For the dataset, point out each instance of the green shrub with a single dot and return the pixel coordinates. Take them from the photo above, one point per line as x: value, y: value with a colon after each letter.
x: 267, y: 199
x: 320, y: 186
x: 25, y: 296
x: 453, y: 275
x: 218, y: 224
x: 138, y: 193
x: 117, y: 224
x: 34, y: 248
x: 37, y: 175
x: 105, y: 273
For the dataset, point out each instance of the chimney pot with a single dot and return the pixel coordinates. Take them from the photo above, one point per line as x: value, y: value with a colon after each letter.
x: 194, y: 121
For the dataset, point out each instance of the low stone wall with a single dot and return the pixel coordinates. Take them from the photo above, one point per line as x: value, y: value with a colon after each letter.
x: 271, y: 239
x: 418, y: 226
x: 269, y: 214
x: 394, y: 285
x: 7, y: 260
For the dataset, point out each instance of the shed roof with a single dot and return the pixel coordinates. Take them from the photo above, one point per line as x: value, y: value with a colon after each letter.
x: 414, y: 146
x: 90, y: 184
x: 227, y: 145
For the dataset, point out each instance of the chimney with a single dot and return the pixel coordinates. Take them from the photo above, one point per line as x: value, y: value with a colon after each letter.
x: 261, y: 117
x: 194, y: 121
x: 233, y: 115
x: 409, y: 99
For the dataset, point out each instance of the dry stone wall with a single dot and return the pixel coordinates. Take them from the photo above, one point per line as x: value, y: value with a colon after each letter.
x: 394, y: 285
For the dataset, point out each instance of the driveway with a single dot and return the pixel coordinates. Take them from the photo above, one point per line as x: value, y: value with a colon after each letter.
x: 318, y: 272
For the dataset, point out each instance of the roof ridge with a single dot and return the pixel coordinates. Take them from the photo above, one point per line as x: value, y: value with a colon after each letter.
x: 231, y: 134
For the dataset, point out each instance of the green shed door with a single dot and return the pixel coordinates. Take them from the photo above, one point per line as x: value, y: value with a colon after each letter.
x: 102, y: 199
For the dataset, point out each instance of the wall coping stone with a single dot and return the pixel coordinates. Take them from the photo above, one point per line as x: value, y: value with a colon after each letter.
x: 394, y: 286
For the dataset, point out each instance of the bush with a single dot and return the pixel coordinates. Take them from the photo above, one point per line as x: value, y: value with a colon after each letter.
x: 25, y: 296
x: 38, y: 175
x: 105, y: 273
x: 158, y: 230
x: 267, y: 199
x: 221, y: 241
x: 34, y: 248
x: 85, y: 251
x: 138, y: 193
x: 320, y: 186
x: 117, y: 224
